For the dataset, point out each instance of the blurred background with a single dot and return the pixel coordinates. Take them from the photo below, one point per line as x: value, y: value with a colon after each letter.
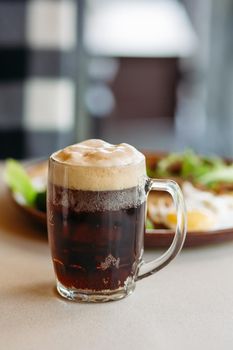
x: 154, y: 73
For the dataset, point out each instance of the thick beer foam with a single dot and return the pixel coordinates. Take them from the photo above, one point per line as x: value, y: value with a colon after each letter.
x: 96, y: 165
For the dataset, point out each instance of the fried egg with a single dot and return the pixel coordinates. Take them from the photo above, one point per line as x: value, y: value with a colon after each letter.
x: 205, y: 210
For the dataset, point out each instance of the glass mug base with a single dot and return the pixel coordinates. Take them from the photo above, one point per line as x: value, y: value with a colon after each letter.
x: 102, y: 296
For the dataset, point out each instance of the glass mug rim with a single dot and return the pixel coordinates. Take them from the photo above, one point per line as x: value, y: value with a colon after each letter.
x: 142, y: 269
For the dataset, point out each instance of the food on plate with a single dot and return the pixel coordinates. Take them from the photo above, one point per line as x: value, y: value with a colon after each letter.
x: 205, y: 210
x: 206, y: 182
x: 210, y: 173
x: 197, y: 220
x: 29, y: 188
x: 207, y: 185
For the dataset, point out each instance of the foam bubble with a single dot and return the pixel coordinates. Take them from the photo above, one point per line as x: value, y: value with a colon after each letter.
x: 97, y: 165
x: 98, y: 153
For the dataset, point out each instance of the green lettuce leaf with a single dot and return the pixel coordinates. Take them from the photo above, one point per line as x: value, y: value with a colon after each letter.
x: 19, y: 181
x: 220, y: 174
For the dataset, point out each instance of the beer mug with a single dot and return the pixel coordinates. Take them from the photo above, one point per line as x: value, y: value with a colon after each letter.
x: 96, y: 205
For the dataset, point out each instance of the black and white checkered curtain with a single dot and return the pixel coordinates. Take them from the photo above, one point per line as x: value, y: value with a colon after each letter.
x: 38, y: 70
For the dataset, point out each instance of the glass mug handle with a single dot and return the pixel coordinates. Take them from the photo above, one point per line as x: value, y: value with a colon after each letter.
x: 148, y: 268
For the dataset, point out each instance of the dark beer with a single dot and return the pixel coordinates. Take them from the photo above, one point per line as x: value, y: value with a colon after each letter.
x: 96, y: 202
x: 96, y: 237
x: 96, y: 217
